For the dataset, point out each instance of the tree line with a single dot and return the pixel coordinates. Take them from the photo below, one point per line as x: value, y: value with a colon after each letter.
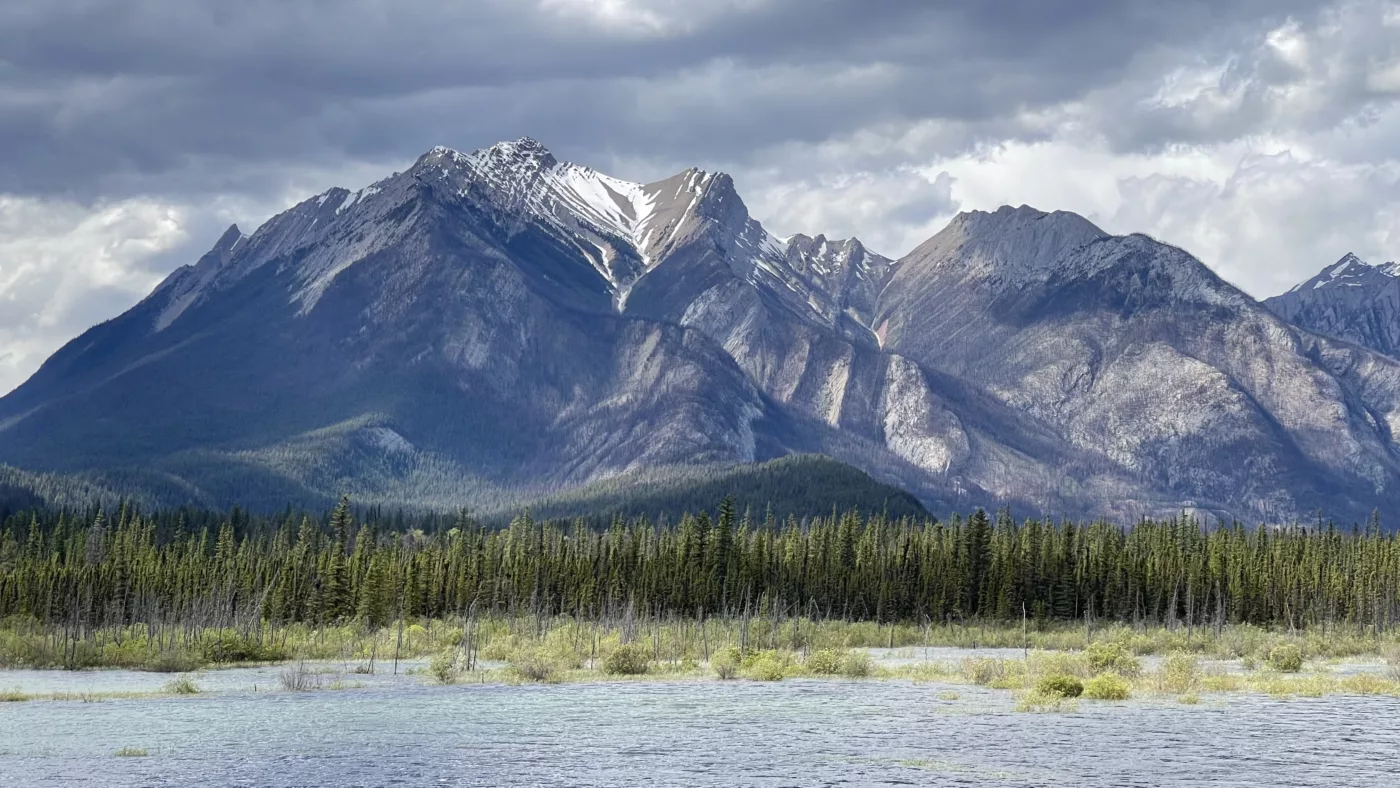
x: 97, y: 568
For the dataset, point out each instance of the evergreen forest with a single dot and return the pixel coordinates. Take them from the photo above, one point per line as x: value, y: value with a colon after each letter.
x: 83, y: 570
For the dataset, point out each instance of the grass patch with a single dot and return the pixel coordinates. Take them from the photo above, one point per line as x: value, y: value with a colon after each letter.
x: 132, y: 752
x: 184, y: 685
x: 1043, y: 703
x: 13, y: 696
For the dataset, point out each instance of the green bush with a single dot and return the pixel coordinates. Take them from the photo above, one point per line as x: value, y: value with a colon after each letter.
x: 1286, y: 658
x: 856, y: 665
x: 725, y: 662
x: 1180, y: 673
x: 535, y: 666
x: 1111, y: 656
x: 1060, y: 686
x: 174, y: 662
x: 628, y: 660
x: 765, y: 666
x: 446, y: 666
x: 824, y: 662
x: 983, y: 671
x: 229, y: 646
x: 1107, y: 686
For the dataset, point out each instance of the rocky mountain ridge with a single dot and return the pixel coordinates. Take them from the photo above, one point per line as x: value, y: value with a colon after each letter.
x: 492, y: 327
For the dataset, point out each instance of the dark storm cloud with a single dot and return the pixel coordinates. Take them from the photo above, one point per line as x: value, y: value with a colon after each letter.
x: 105, y: 99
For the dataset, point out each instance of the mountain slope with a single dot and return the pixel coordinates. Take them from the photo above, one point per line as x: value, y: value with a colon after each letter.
x: 1350, y: 300
x: 409, y: 338
x: 1166, y: 385
x: 491, y: 328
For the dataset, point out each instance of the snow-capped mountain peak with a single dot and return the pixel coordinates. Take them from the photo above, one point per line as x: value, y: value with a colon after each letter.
x: 1349, y: 299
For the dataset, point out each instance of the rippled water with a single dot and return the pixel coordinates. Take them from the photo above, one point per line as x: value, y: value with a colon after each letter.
x: 396, y: 731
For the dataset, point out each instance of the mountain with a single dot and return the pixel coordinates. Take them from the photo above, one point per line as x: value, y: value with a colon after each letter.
x: 1349, y: 300
x: 1163, y: 384
x: 499, y: 327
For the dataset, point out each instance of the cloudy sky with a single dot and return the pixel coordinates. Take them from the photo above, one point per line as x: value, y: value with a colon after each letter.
x: 1261, y: 135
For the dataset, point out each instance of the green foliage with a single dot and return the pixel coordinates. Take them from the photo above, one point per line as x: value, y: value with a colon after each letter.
x: 1107, y: 686
x: 985, y: 671
x: 857, y: 665
x: 1060, y: 686
x: 627, y: 660
x: 536, y: 665
x: 824, y: 662
x: 183, y: 685
x: 1180, y: 673
x: 1286, y: 658
x: 446, y: 666
x: 178, y: 590
x: 767, y: 665
x: 1042, y: 702
x: 725, y: 662
x: 229, y: 646
x: 132, y: 752
x: 1111, y: 656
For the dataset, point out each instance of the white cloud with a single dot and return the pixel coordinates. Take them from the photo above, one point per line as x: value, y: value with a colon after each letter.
x: 64, y: 267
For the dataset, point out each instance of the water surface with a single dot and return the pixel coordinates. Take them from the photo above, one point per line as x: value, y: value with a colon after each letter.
x: 395, y: 730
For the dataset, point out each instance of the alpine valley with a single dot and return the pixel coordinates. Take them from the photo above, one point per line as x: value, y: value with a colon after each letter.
x: 500, y: 327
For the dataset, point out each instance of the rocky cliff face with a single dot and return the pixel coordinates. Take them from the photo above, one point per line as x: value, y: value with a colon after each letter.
x: 1349, y: 300
x: 494, y: 326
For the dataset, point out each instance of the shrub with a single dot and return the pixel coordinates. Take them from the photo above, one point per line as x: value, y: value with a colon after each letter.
x: 1060, y: 686
x: 856, y: 665
x: 765, y: 666
x: 298, y: 678
x: 1179, y: 673
x: 628, y: 660
x: 1286, y: 658
x: 1055, y: 663
x: 229, y: 646
x: 183, y: 685
x: 725, y: 662
x: 1392, y: 662
x: 446, y: 666
x: 1111, y: 657
x: 535, y: 666
x: 174, y: 662
x: 1107, y: 686
x: 983, y: 671
x: 825, y: 662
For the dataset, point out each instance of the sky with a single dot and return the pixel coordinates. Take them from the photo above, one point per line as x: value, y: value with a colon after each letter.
x: 1263, y: 136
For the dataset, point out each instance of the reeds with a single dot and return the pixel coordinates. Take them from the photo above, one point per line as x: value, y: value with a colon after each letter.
x: 183, y: 685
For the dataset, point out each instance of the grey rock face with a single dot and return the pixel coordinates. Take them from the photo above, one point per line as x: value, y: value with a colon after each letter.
x: 1349, y: 300
x: 495, y: 326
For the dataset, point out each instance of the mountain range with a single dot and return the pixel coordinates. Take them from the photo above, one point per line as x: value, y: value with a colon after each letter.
x: 492, y: 328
